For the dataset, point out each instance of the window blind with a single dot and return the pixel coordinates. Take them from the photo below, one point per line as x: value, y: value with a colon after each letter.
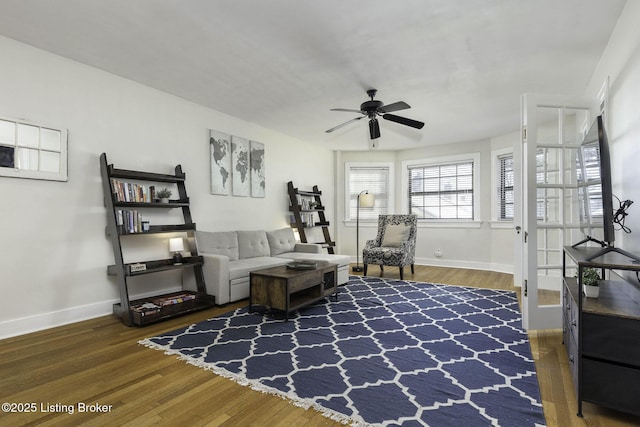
x: 442, y: 191
x: 375, y: 180
x: 505, y: 190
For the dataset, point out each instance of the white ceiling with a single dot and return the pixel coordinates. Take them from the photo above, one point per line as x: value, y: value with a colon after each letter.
x: 282, y: 64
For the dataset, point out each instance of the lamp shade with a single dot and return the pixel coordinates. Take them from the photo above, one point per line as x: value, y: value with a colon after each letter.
x: 176, y: 244
x: 366, y: 200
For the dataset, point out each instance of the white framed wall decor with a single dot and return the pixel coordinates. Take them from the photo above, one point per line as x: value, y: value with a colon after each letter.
x: 34, y: 151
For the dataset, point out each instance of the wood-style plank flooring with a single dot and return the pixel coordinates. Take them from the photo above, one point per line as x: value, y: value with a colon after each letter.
x: 98, y: 361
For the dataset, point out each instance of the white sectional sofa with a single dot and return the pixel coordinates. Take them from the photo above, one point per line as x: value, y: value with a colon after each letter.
x: 229, y: 257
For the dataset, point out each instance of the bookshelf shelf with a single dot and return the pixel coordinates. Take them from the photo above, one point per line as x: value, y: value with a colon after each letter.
x: 299, y: 201
x: 172, y: 204
x: 126, y: 194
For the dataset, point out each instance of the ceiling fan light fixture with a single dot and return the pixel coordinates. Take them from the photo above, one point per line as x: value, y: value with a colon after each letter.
x: 374, y: 108
x: 374, y: 129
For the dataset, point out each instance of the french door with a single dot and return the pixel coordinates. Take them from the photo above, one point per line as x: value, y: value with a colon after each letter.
x: 546, y: 209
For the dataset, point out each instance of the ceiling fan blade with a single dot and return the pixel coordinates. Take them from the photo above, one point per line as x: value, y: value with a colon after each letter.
x: 346, y: 109
x: 404, y: 121
x: 374, y: 129
x: 344, y: 124
x: 396, y: 106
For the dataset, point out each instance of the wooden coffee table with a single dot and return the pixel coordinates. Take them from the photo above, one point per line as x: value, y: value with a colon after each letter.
x: 287, y: 289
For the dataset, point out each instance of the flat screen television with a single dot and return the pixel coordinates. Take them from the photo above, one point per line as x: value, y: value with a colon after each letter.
x: 595, y: 195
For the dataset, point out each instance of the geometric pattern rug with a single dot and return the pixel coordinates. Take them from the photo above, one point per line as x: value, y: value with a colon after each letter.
x: 387, y: 352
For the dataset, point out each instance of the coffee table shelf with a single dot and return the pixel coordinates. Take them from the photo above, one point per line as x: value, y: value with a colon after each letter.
x: 287, y: 290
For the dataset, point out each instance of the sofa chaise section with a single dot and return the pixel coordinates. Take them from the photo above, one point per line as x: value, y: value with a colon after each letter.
x: 230, y: 257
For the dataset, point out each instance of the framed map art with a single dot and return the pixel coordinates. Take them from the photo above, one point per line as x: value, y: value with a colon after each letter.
x: 237, y: 165
x: 240, y: 166
x: 220, y: 156
x: 257, y: 169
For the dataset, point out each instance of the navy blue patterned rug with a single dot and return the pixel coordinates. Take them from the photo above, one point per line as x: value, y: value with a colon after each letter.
x: 388, y: 352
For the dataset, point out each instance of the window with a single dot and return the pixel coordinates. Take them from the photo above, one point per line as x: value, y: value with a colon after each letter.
x: 442, y: 191
x: 505, y: 187
x: 376, y: 178
x: 28, y: 150
x: 547, y: 172
x: 502, y: 187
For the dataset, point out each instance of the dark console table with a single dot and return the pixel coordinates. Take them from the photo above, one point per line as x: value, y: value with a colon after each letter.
x: 602, y: 335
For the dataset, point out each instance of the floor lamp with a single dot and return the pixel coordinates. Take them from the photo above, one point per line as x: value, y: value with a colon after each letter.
x: 365, y: 200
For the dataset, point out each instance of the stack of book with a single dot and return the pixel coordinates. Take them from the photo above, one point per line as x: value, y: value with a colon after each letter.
x: 130, y: 192
x: 175, y: 299
x: 154, y: 307
x: 129, y: 221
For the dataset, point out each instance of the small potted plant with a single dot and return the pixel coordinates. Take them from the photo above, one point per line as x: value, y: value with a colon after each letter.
x: 590, y: 282
x: 163, y: 194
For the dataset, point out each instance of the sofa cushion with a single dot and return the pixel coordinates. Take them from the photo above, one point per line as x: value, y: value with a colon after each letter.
x: 253, y: 243
x: 281, y: 241
x: 218, y: 243
x: 243, y: 267
x: 395, y: 234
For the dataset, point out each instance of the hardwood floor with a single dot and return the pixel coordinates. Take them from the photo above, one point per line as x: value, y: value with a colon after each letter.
x: 98, y: 361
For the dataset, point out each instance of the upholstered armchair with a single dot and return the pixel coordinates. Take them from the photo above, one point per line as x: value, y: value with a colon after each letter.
x: 394, y: 245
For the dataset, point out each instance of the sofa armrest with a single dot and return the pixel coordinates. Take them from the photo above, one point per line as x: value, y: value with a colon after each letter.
x: 310, y: 248
x: 216, y: 276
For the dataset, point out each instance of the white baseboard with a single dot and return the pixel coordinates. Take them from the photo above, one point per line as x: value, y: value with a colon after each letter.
x: 26, y: 325
x: 470, y: 265
x: 38, y: 322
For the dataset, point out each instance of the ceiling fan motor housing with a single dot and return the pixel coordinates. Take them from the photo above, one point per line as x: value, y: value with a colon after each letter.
x: 370, y: 107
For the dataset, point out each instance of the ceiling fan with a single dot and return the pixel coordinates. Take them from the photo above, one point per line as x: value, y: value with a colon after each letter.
x: 374, y: 108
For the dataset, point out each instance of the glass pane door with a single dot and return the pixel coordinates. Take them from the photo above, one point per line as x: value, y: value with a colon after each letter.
x: 552, y: 128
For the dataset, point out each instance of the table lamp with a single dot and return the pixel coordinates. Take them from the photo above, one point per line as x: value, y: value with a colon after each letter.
x: 176, y: 246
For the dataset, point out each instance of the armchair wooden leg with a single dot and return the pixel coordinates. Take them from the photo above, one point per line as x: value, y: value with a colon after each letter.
x: 364, y: 269
x: 412, y: 270
x: 381, y: 270
x: 401, y: 271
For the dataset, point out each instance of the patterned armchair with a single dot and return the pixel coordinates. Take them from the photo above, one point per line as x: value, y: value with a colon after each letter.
x: 395, y: 244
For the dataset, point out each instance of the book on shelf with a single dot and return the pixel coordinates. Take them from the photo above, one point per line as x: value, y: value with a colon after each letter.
x: 154, y: 307
x: 137, y: 267
x: 146, y: 309
x: 129, y: 220
x: 174, y: 299
x: 130, y: 192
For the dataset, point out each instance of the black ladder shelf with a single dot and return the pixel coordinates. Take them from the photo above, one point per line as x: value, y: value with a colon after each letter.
x: 142, y: 311
x: 296, y: 198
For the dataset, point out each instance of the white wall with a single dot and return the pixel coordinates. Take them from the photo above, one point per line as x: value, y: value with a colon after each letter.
x: 481, y: 247
x: 55, y: 253
x: 621, y: 64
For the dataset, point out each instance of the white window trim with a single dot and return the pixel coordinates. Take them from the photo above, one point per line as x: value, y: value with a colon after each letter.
x: 445, y: 223
x: 390, y: 191
x: 62, y: 175
x: 496, y: 222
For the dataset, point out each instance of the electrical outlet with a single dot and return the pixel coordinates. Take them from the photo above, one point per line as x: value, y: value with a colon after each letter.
x: 438, y: 253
